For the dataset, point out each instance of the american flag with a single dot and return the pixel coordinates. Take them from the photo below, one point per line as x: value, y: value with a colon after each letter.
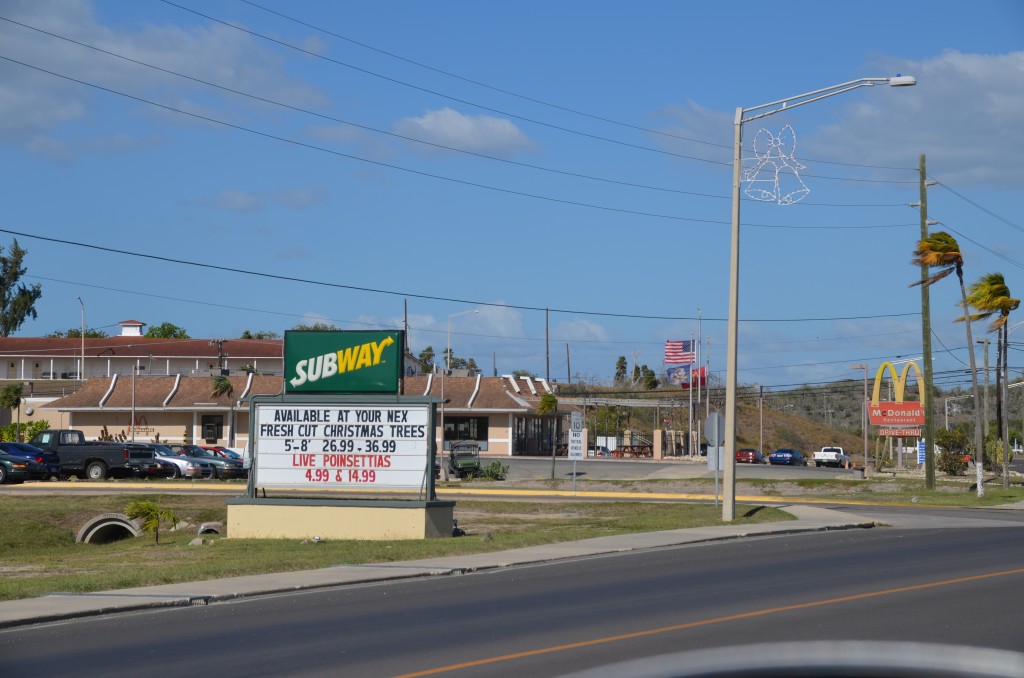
x: 680, y: 353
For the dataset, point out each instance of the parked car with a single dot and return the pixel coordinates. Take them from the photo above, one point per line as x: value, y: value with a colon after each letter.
x: 155, y: 468
x: 223, y: 468
x: 787, y: 456
x: 598, y: 451
x: 228, y: 453
x: 183, y: 466
x: 19, y: 469
x: 749, y: 455
x: 48, y: 459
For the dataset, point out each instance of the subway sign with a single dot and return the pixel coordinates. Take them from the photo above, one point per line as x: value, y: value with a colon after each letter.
x: 343, y: 361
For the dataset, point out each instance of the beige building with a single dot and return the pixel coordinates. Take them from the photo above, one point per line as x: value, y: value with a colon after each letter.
x: 498, y: 413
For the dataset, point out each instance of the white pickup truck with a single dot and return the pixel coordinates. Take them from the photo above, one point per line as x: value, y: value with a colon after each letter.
x: 832, y: 456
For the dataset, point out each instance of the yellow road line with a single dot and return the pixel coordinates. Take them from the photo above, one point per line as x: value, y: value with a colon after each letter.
x: 704, y: 622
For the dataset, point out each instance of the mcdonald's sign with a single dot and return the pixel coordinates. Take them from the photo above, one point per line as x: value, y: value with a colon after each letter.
x: 897, y: 412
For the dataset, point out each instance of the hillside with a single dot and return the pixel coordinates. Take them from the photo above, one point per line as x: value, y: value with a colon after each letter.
x: 785, y: 429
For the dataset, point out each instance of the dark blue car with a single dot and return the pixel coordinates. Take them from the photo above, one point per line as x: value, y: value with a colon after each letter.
x: 49, y: 460
x: 787, y: 456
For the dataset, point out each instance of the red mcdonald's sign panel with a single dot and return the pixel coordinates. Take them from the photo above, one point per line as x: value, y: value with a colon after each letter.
x: 896, y: 414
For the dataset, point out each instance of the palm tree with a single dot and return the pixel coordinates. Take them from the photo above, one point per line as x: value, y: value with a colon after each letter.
x: 221, y: 386
x: 151, y: 515
x: 10, y: 399
x: 941, y: 251
x: 989, y: 296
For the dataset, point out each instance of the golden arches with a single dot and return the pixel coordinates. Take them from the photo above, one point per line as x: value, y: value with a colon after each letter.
x: 899, y: 381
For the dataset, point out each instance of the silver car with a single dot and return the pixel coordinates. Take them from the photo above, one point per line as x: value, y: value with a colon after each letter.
x: 184, y: 467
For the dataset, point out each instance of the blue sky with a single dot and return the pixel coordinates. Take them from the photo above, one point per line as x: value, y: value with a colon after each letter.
x: 378, y: 159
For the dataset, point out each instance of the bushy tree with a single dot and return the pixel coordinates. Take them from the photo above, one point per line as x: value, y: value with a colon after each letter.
x: 76, y: 333
x: 548, y: 404
x: 259, y: 335
x: 620, y: 370
x: 167, y: 331
x: 17, y: 302
x: 316, y: 327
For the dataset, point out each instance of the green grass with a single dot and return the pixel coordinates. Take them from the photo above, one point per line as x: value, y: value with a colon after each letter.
x: 39, y: 555
x: 881, y: 489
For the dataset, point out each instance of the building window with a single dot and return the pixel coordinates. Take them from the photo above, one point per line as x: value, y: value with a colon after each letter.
x: 465, y: 428
x: 213, y: 425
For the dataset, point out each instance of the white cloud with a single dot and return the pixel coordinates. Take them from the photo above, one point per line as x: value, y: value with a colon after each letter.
x: 479, y: 134
x: 255, y: 201
x: 36, y: 106
x: 300, y: 198
x: 963, y: 114
x: 236, y: 201
x: 580, y: 329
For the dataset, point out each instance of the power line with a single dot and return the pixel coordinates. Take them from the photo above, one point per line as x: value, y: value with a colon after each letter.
x: 980, y: 207
x: 413, y: 295
x: 482, y: 107
x: 400, y: 168
x: 525, y: 97
x: 408, y: 138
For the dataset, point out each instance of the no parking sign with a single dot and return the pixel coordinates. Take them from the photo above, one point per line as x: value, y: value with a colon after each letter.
x: 576, y: 436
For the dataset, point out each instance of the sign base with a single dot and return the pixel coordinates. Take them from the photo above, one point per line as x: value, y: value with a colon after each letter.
x: 250, y: 518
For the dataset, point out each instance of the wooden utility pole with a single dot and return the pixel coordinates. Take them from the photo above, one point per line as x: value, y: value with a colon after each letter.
x: 926, y: 345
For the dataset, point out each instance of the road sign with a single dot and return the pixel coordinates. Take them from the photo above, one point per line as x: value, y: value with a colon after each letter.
x: 576, y: 436
x: 714, y: 429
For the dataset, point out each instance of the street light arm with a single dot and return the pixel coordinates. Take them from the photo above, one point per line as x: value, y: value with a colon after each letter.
x: 824, y: 93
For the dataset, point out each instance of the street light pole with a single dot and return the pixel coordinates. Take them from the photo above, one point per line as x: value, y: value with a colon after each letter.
x: 447, y: 366
x: 864, y: 411
x: 729, y: 494
x: 81, y: 366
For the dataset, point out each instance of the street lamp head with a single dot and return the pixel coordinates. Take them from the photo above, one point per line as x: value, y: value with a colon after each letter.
x: 902, y: 81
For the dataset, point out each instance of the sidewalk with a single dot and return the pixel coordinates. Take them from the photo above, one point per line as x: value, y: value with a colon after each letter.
x: 59, y: 606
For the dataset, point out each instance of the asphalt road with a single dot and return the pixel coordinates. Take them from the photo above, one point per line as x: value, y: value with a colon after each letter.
x: 945, y: 586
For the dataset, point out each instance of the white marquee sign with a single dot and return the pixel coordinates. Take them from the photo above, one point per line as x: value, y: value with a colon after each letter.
x: 342, y: 447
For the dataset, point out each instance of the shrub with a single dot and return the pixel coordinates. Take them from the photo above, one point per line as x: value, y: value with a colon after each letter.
x: 994, y: 455
x: 493, y: 471
x: 950, y: 464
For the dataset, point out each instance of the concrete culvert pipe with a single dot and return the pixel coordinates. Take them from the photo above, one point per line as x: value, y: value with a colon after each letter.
x: 107, y: 528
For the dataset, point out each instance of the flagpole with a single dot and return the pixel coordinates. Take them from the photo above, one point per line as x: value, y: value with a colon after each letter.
x: 689, y: 431
x: 707, y: 368
x: 698, y: 380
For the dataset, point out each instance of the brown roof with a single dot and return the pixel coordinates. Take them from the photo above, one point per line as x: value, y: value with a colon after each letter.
x: 192, y: 393
x: 140, y: 347
x: 495, y: 393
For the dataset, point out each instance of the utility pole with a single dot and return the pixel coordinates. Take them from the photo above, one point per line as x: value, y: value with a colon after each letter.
x: 926, y: 343
x: 219, y: 343
x: 547, y: 345
x: 760, y: 409
x: 984, y: 398
x: 568, y: 369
